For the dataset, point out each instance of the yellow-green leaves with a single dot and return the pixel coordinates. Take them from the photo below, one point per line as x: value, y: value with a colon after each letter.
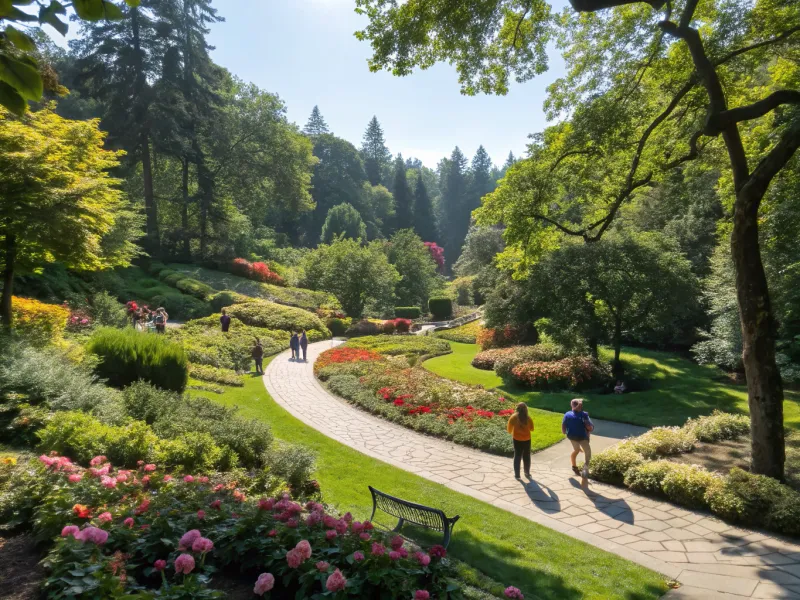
x: 94, y: 10
x: 21, y: 40
x: 22, y: 75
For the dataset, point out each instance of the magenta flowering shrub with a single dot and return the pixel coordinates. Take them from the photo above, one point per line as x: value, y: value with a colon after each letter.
x: 145, y: 533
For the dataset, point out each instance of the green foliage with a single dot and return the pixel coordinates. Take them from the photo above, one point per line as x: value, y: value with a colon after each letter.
x: 376, y: 155
x: 127, y: 356
x: 357, y: 275
x: 688, y: 485
x: 664, y: 441
x: 505, y: 359
x: 401, y: 345
x: 270, y: 315
x: 647, y: 477
x: 466, y: 334
x: 361, y: 328
x: 343, y: 221
x: 193, y: 452
x: 719, y: 426
x: 417, y: 270
x: 194, y: 288
x: 293, y: 463
x: 83, y: 437
x: 338, y: 327
x: 107, y: 312
x: 441, y: 308
x: 215, y: 375
x: 407, y: 312
x: 611, y: 466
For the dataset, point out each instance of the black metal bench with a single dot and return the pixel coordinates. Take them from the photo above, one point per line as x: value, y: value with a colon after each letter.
x: 425, y: 516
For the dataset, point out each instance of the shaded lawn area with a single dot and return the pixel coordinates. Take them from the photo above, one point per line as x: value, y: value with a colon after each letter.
x: 509, y: 549
x: 679, y: 389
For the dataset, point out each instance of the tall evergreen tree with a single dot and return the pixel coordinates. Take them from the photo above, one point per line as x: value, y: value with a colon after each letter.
x: 376, y: 155
x: 404, y: 217
x: 480, y: 181
x: 316, y: 124
x: 424, y: 220
x: 509, y: 161
x: 453, y: 225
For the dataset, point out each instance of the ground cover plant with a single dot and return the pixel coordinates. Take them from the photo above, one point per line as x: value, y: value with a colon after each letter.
x: 465, y: 334
x: 113, y: 532
x: 512, y: 549
x: 292, y: 296
x: 135, y: 284
x: 271, y: 315
x: 375, y: 374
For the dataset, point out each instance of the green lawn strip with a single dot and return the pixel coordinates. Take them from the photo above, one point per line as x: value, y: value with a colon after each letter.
x: 679, y: 389
x: 507, y: 548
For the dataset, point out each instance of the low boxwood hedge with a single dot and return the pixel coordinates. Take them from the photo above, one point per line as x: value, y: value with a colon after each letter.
x: 407, y: 312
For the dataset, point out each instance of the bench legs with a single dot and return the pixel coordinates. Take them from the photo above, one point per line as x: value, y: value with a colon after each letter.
x: 399, y: 524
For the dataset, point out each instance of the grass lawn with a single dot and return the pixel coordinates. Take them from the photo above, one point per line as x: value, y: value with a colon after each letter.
x: 680, y: 389
x: 509, y: 549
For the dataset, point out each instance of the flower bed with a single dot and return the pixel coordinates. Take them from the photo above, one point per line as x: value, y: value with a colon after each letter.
x: 465, y: 334
x: 411, y: 345
x: 487, y: 359
x: 257, y: 271
x: 572, y: 373
x: 117, y: 532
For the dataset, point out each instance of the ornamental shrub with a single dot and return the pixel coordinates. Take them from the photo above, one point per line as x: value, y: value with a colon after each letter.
x: 440, y: 308
x: 38, y: 323
x: 216, y: 375
x: 241, y: 267
x: 262, y: 272
x: 719, y: 426
x: 337, y: 326
x: 664, y: 441
x: 613, y: 464
x: 392, y: 345
x: 500, y: 337
x: 747, y: 498
x: 195, y: 288
x: 572, y: 373
x: 487, y: 359
x: 145, y: 402
x: 107, y: 312
x: 463, y: 289
x: 687, y: 485
x: 270, y: 315
x: 516, y: 355
x: 128, y: 355
x: 193, y: 451
x: 387, y: 327
x: 407, y: 312
x: 402, y: 325
x: 646, y: 477
x: 466, y: 334
x: 361, y: 328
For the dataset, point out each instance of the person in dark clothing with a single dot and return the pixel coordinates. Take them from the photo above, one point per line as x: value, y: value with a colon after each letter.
x: 225, y: 321
x: 258, y: 356
x: 304, y: 344
x: 160, y: 320
x: 294, y: 344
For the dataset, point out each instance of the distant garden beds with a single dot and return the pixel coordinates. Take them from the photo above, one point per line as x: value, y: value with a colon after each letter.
x: 382, y: 375
x: 465, y: 334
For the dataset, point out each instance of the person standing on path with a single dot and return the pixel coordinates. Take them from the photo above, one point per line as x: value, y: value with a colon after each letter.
x: 225, y: 321
x: 303, y: 345
x: 520, y: 426
x: 258, y: 356
x: 577, y: 426
x: 160, y: 320
x: 294, y: 344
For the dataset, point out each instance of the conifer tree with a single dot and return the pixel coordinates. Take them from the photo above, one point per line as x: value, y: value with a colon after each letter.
x: 480, y: 182
x: 376, y: 155
x: 453, y: 204
x: 316, y: 124
x: 510, y: 161
x: 424, y: 221
x: 404, y: 217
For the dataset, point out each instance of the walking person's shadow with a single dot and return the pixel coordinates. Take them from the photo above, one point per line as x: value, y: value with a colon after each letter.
x: 542, y: 496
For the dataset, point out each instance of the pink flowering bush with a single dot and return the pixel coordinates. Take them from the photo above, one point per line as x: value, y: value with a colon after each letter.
x: 152, y: 535
x: 571, y: 373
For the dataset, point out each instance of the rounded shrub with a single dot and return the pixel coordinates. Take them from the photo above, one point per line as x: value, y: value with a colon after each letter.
x: 687, y: 485
x: 613, y: 464
x: 337, y: 326
x: 36, y: 322
x: 719, y: 426
x: 194, y: 451
x: 127, y: 356
x: 647, y: 477
x: 407, y: 312
x: 362, y: 328
x: 195, y: 288
x: 440, y: 308
x: 664, y: 441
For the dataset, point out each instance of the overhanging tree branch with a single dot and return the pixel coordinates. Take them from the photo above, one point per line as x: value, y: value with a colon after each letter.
x: 773, y: 162
x: 717, y: 123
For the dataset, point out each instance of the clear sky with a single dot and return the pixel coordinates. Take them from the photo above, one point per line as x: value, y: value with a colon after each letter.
x: 305, y: 51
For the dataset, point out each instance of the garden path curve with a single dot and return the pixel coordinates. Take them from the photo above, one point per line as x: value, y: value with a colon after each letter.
x: 711, y: 559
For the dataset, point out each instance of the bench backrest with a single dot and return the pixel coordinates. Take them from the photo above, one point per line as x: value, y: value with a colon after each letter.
x: 409, y: 511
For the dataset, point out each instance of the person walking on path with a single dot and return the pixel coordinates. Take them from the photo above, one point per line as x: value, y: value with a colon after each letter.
x: 303, y: 345
x: 225, y: 321
x: 160, y: 320
x: 294, y: 344
x: 577, y: 426
x: 258, y: 356
x: 520, y: 426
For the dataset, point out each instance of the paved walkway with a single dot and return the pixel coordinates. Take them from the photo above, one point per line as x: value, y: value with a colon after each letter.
x: 711, y: 559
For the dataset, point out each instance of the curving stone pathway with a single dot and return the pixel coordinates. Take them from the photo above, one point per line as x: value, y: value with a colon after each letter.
x: 711, y: 559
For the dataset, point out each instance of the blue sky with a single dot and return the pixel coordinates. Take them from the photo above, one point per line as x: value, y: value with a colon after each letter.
x: 305, y: 51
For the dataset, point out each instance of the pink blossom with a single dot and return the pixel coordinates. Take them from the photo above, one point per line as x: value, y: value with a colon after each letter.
x: 149, y: 468
x: 365, y: 537
x: 393, y: 555
x: 98, y: 460
x: 264, y: 583
x: 293, y: 558
x: 184, y: 564
x: 421, y: 595
x: 396, y: 542
x: 122, y: 477
x: 336, y: 581
x: 93, y: 535
x: 145, y: 479
x: 329, y: 521
x: 70, y: 530
x: 358, y: 556
x: 331, y: 534
x: 218, y: 487
x: 160, y: 565
x: 108, y: 482
x: 128, y: 522
x: 75, y: 478
x: 188, y: 539
x: 202, y: 545
x: 292, y: 523
x: 313, y: 519
x: 357, y: 527
x: 204, y: 479
x: 188, y: 479
x: 347, y: 518
x: 272, y: 532
x: 266, y: 504
x: 512, y: 592
x: 322, y: 566
x: 341, y: 527
x: 378, y: 549
x: 403, y: 553
x: 201, y: 514
x: 216, y: 504
x: 167, y: 478
x: 368, y: 526
x: 304, y: 548
x: 105, y: 517
x: 422, y: 558
x: 438, y: 551
x: 143, y: 507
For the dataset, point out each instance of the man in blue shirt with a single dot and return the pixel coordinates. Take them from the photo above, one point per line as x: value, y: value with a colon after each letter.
x: 577, y: 426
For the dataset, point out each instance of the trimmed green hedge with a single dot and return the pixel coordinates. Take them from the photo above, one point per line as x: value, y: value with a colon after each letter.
x: 276, y: 316
x: 441, y: 308
x: 407, y: 312
x: 128, y: 355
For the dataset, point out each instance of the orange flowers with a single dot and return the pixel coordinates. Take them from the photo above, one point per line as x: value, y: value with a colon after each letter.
x: 82, y: 511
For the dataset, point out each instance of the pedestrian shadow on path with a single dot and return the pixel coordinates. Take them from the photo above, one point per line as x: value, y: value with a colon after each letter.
x: 542, y: 496
x: 617, y: 509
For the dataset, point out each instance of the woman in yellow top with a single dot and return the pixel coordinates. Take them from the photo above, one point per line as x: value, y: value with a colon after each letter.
x: 520, y: 426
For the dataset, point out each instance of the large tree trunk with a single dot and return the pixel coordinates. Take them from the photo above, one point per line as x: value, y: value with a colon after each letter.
x: 187, y: 251
x: 8, y: 280
x: 764, y: 387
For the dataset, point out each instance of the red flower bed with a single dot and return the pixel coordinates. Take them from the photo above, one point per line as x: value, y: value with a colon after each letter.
x: 257, y: 271
x: 344, y: 355
x: 499, y: 338
x: 396, y: 325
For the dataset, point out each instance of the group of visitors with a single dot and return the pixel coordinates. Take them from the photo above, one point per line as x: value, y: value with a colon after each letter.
x: 576, y: 425
x: 298, y: 342
x: 144, y: 319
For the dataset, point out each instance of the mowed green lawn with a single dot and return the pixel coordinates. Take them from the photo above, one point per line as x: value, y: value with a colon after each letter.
x: 679, y: 389
x: 509, y: 549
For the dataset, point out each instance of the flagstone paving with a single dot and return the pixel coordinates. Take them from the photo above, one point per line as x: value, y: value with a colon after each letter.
x: 709, y: 558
